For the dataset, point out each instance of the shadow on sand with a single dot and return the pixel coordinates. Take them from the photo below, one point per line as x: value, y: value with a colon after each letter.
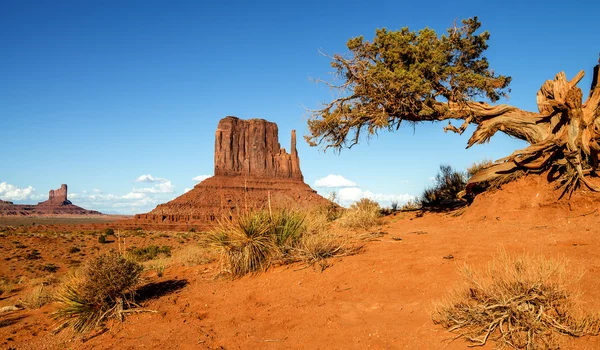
x: 158, y: 289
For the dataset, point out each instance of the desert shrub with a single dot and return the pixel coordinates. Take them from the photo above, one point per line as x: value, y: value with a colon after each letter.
x: 74, y: 250
x: 246, y: 243
x: 253, y: 241
x: 394, y: 205
x: 362, y: 214
x: 99, y: 292
x: 522, y: 302
x: 102, y: 239
x: 448, y: 183
x: 317, y: 248
x: 109, y: 232
x: 150, y: 252
x: 412, y: 204
x: 34, y: 254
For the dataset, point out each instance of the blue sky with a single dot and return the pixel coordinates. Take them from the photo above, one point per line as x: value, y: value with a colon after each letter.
x: 99, y: 94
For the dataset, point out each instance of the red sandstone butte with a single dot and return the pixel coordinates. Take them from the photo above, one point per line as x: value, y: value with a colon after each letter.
x: 251, y: 172
x: 57, y: 204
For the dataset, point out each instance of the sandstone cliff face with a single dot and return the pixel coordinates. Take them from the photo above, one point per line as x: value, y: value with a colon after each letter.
x: 57, y: 197
x: 252, y: 171
x: 251, y: 148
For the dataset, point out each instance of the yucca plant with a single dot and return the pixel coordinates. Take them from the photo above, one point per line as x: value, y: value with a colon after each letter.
x: 246, y: 243
x: 100, y: 291
x: 287, y: 227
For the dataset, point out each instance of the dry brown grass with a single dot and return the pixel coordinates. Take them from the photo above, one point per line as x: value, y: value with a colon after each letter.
x: 318, y: 248
x: 522, y: 302
x: 102, y: 290
x: 362, y: 214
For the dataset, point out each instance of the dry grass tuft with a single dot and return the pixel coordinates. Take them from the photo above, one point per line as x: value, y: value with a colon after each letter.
x: 39, y: 296
x: 317, y: 248
x: 102, y: 290
x: 522, y: 302
x: 362, y: 214
x: 246, y: 243
x: 253, y: 241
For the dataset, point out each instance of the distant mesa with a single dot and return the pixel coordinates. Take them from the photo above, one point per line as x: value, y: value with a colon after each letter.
x: 252, y: 171
x: 57, y: 204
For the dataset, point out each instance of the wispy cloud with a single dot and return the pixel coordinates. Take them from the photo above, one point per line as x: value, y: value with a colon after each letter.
x: 150, y: 178
x: 334, y: 181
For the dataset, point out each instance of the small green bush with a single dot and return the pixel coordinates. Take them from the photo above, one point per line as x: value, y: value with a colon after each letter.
x: 101, y: 291
x: 102, y: 239
x: 448, y: 183
x: 109, y: 232
x: 150, y: 252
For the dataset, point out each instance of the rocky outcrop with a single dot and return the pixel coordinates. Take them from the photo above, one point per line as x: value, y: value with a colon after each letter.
x: 252, y: 171
x: 251, y: 148
x: 57, y: 197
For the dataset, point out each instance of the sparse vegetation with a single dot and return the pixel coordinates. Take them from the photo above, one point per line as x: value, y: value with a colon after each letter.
x: 448, y: 183
x: 522, y: 302
x: 109, y: 232
x: 101, y: 291
x: 252, y: 241
x: 150, y: 252
x: 246, y: 243
x: 102, y: 239
x: 362, y: 214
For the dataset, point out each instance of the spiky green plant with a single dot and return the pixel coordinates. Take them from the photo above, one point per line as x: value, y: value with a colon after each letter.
x: 246, y: 243
x: 287, y: 227
x: 100, y: 291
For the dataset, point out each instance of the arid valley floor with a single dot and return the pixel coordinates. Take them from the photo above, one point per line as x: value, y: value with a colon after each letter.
x: 380, y: 298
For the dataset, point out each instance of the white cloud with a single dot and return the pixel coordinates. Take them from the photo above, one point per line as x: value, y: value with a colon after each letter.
x: 134, y: 195
x: 201, y: 178
x: 163, y: 187
x: 332, y: 181
x: 347, y: 196
x: 186, y: 190
x: 150, y: 178
x: 9, y: 192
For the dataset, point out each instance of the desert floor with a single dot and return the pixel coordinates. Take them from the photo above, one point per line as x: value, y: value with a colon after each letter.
x: 381, y: 298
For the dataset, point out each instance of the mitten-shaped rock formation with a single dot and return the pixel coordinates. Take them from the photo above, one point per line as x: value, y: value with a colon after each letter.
x: 252, y: 171
x: 251, y: 148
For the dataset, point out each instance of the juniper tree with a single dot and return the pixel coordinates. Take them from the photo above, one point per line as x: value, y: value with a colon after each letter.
x: 406, y: 76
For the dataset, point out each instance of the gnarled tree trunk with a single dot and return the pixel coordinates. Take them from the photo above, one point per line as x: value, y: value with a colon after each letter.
x: 564, y: 135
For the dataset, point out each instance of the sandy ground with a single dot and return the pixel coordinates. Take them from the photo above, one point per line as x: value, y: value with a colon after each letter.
x: 381, y: 298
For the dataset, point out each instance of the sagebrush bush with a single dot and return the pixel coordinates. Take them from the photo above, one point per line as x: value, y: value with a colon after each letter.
x: 362, y: 214
x: 100, y: 291
x: 521, y: 302
x: 448, y: 183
